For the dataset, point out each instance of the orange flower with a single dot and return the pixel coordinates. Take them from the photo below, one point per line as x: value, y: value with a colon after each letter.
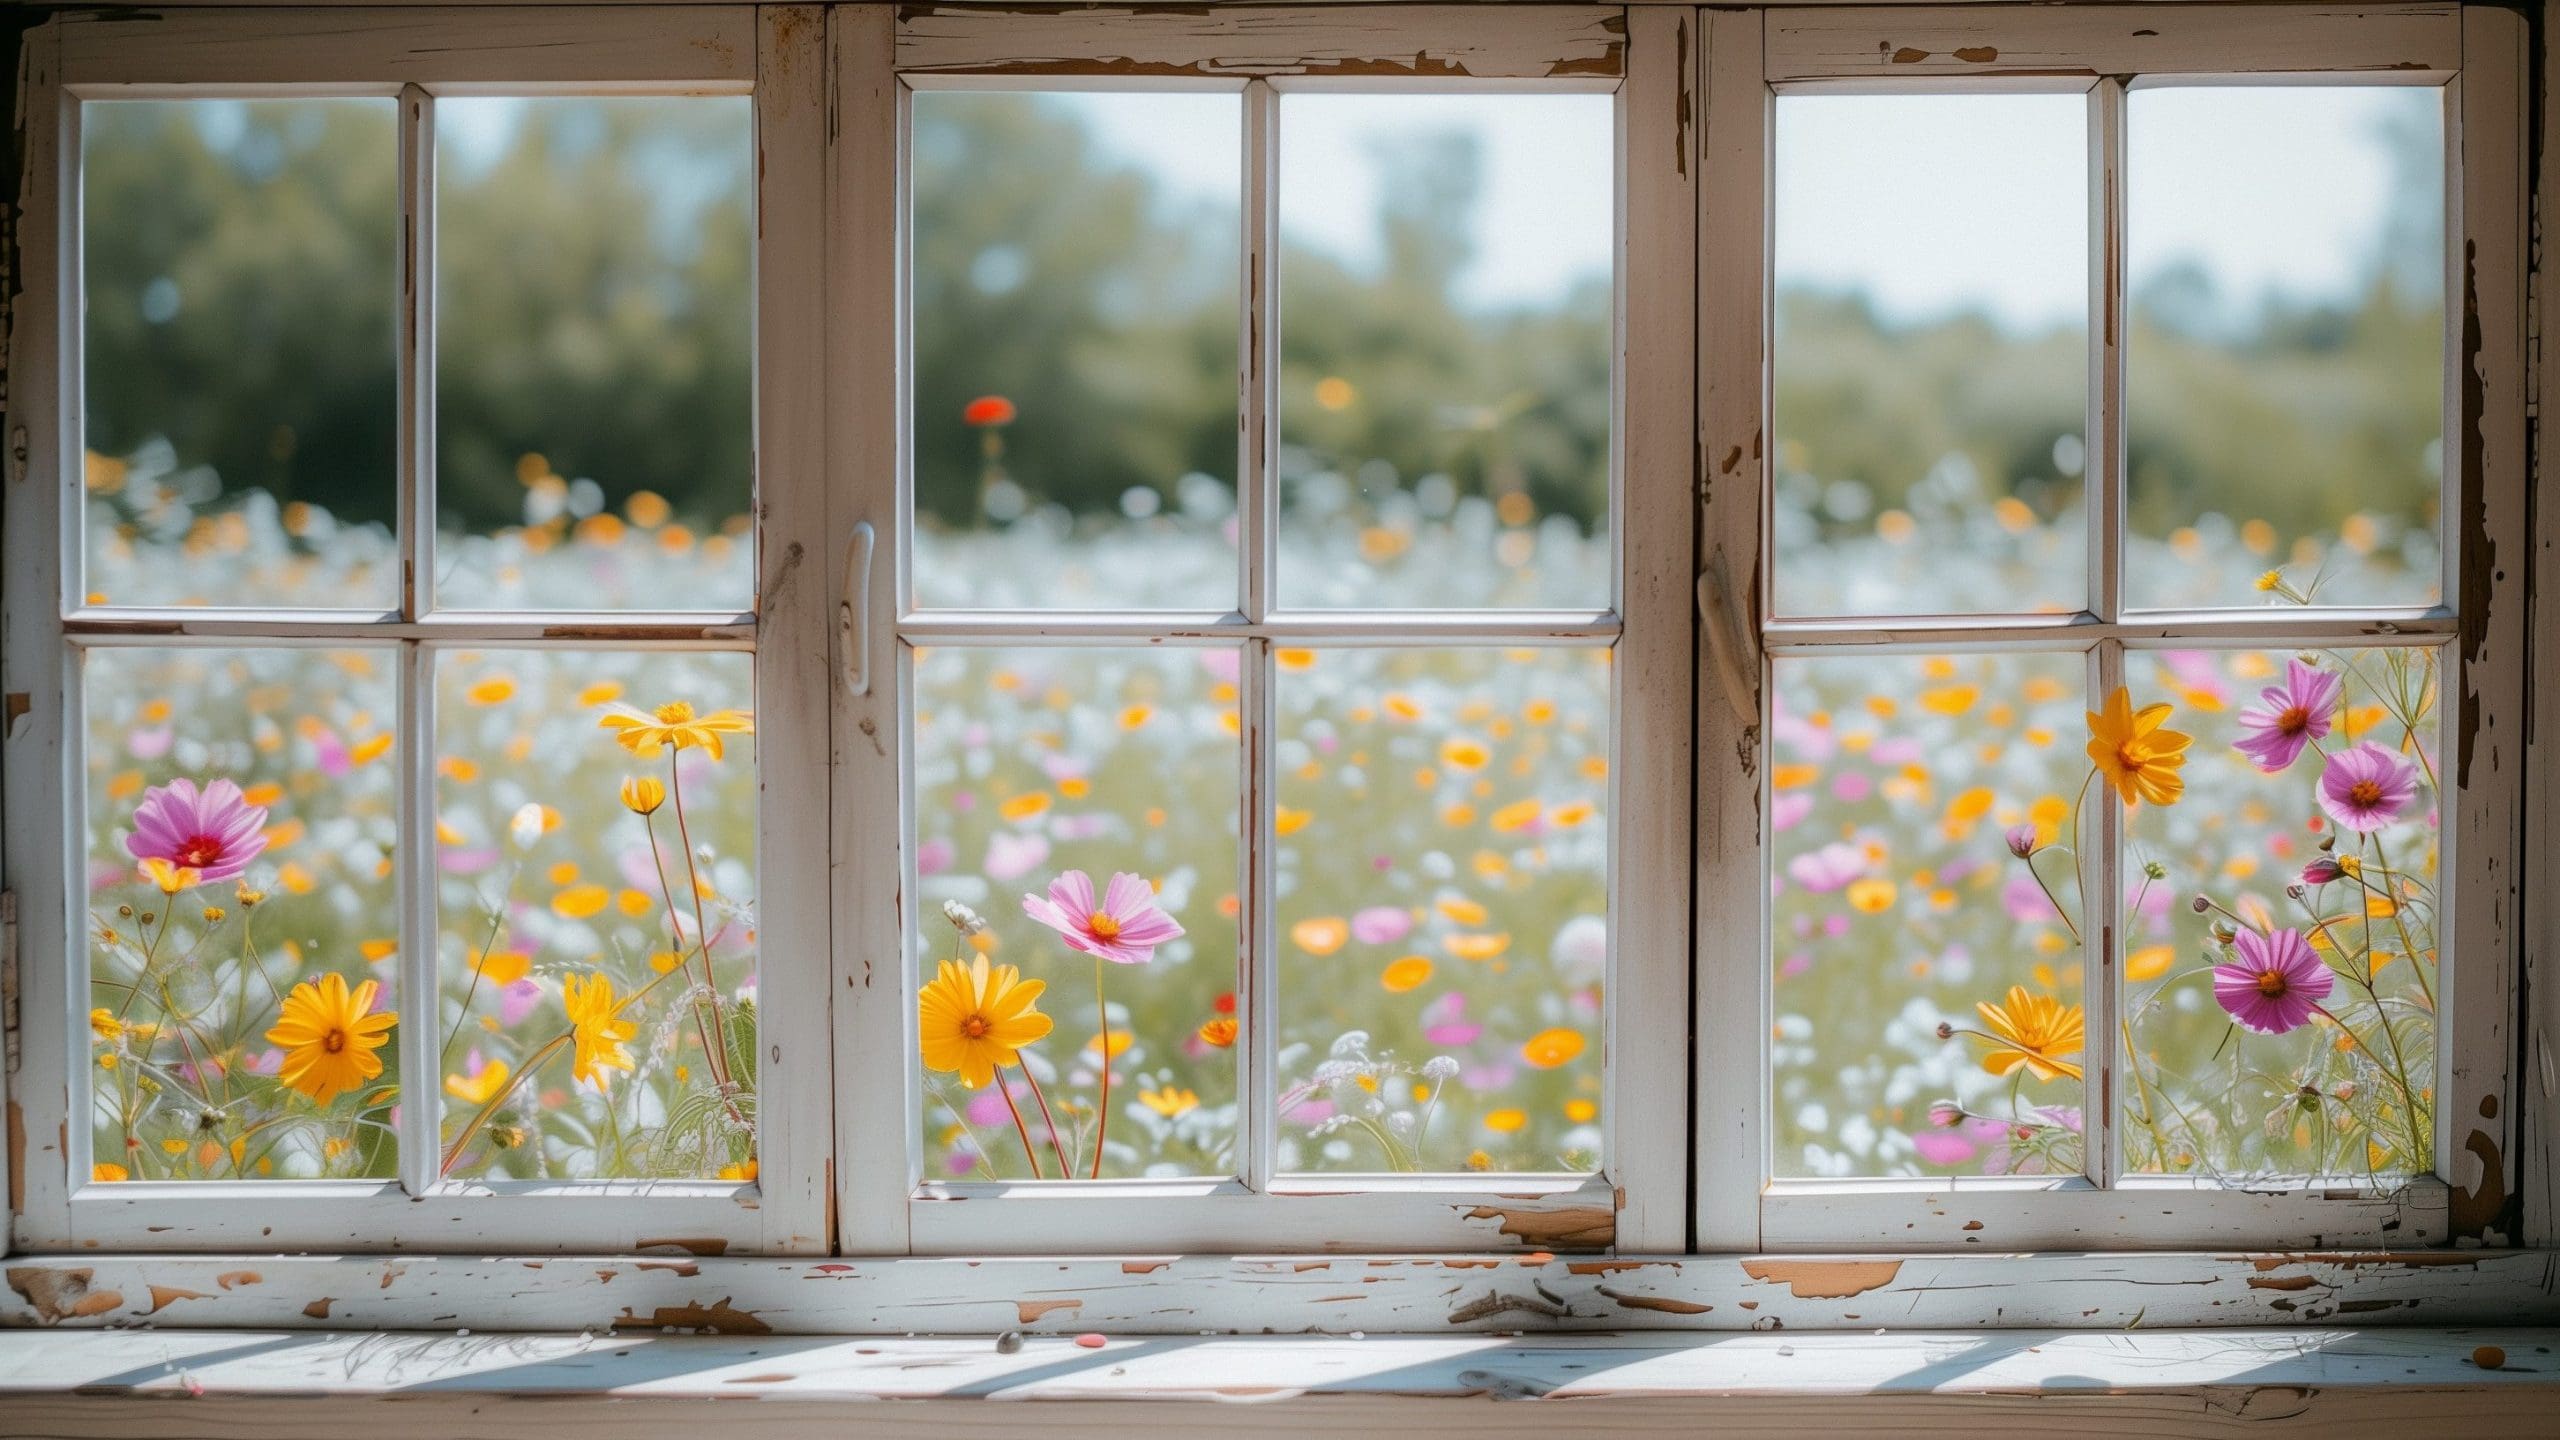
x: 2134, y: 754
x: 988, y: 410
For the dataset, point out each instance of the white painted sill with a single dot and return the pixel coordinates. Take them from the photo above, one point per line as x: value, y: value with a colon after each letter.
x: 280, y: 1384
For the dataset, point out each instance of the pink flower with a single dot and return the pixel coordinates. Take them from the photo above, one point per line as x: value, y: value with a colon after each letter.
x: 2274, y: 983
x: 2022, y: 840
x: 1125, y: 928
x: 2288, y: 717
x: 1011, y: 856
x: 1444, y: 1021
x: 1828, y: 868
x: 213, y: 832
x: 1787, y: 811
x: 2367, y: 787
x: 1381, y: 924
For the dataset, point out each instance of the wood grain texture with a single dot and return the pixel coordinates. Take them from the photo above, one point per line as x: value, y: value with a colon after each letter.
x: 1905, y: 43
x: 1191, y: 1295
x: 375, y: 51
x: 1447, y: 41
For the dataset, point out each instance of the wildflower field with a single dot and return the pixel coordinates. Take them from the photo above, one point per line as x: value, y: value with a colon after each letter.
x: 1440, y: 873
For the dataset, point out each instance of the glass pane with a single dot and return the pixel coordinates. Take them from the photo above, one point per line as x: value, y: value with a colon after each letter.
x: 1924, y: 894
x: 1446, y: 274
x: 1931, y: 353
x: 1076, y: 836
x: 595, y: 318
x: 240, y: 385
x: 596, y: 916
x: 245, y: 1020
x: 1443, y: 876
x: 2284, y: 365
x: 1075, y: 259
x: 2281, y: 970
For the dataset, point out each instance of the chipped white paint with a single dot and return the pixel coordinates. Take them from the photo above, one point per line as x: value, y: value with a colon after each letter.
x: 1441, y: 41
x: 1188, y: 1295
x: 1902, y: 43
x: 2538, y: 1085
x: 2138, y: 1385
x: 586, y: 47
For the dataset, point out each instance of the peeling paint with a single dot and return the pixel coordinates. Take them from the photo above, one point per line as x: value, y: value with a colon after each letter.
x: 1661, y: 1304
x: 1825, y: 1279
x: 1909, y: 56
x: 719, y: 1316
x: 164, y: 1296
x: 1977, y: 54
x: 1029, y: 1311
x: 319, y: 1309
x: 62, y: 1293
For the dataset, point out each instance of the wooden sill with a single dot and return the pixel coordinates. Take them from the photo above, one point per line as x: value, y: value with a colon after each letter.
x: 284, y: 1384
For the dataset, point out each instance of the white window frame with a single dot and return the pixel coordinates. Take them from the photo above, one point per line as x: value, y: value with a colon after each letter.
x: 416, y: 56
x: 839, y: 1169
x: 1637, y: 1200
x: 2104, y: 52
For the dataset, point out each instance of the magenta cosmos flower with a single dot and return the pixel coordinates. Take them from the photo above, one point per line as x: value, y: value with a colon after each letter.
x: 2288, y: 717
x: 2366, y: 787
x: 213, y: 831
x: 1125, y: 927
x: 2273, y: 983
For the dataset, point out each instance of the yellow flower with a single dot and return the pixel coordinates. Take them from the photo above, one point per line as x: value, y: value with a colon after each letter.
x: 104, y: 1171
x: 642, y: 794
x: 104, y: 1024
x: 674, y: 725
x: 596, y: 1029
x: 480, y: 1088
x: 2134, y: 754
x: 1406, y: 973
x: 1503, y: 1122
x: 169, y: 876
x: 975, y: 1020
x: 2035, y: 1031
x: 1550, y: 1048
x: 1170, y: 1101
x: 329, y: 1033
x: 1320, y: 935
x: 1218, y: 1032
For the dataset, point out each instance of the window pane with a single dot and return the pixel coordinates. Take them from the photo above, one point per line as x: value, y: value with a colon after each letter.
x: 241, y: 913
x: 1931, y: 353
x: 597, y: 963
x: 2289, y: 1026
x: 1900, y: 790
x: 1097, y: 787
x: 239, y: 389
x: 1075, y: 368
x: 1446, y: 278
x: 1443, y: 873
x: 2284, y: 365
x: 594, y: 352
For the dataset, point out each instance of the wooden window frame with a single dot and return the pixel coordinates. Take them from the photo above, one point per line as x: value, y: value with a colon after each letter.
x: 415, y: 56
x: 1695, y: 107
x: 2476, y: 58
x: 1637, y: 1200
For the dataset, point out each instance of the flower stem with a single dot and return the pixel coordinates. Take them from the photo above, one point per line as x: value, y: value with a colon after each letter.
x: 1018, y: 1127
x: 1065, y: 1170
x: 1102, y: 1118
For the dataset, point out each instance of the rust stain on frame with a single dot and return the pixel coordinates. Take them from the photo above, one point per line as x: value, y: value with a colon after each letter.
x: 1581, y: 1227
x: 1825, y: 1279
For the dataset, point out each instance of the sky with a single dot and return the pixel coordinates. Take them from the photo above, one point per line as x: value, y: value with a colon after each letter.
x: 1933, y: 203
x: 1930, y: 203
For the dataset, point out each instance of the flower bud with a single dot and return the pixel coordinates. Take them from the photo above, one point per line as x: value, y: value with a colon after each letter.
x: 1946, y: 1114
x: 2321, y: 871
x: 2224, y: 932
x: 962, y: 918
x: 642, y: 794
x: 2200, y: 904
x: 2155, y: 870
x: 2022, y: 840
x: 1946, y: 1031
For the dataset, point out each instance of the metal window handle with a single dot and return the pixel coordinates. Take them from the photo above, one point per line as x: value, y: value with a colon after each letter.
x: 853, y: 614
x: 1730, y: 645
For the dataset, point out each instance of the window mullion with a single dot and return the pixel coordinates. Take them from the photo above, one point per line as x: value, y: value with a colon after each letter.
x: 1257, y: 980
x: 2104, y: 506
x: 413, y: 809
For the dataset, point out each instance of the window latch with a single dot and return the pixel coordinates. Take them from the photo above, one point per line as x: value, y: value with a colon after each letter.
x: 853, y: 614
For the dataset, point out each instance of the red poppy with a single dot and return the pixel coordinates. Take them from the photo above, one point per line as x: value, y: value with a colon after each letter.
x: 1226, y: 1003
x: 988, y: 410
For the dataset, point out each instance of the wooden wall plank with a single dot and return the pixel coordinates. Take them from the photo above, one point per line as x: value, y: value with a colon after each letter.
x: 1451, y: 41
x: 1905, y: 42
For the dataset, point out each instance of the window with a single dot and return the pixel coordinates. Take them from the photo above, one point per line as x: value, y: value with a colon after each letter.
x: 800, y: 631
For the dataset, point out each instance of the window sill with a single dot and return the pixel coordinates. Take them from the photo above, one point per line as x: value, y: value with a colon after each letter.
x: 280, y: 1384
x: 1189, y: 1295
